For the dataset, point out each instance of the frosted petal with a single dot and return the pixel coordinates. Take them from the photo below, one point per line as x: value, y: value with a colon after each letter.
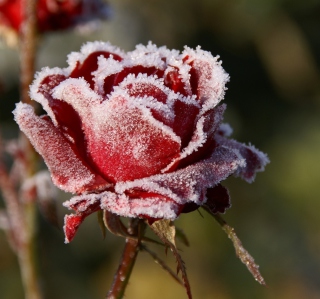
x: 150, y: 92
x: 202, y: 141
x: 151, y: 205
x: 218, y: 199
x: 255, y: 159
x: 207, y: 76
x: 151, y: 55
x: 83, y: 208
x: 69, y: 172
x: 87, y: 49
x: 78, y: 94
x: 126, y: 142
x: 190, y: 183
x: 105, y: 74
x: 42, y: 86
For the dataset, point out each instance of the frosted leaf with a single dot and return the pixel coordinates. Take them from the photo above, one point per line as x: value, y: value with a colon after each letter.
x: 67, y: 169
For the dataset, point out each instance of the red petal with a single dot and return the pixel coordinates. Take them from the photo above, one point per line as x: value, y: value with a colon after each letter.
x: 67, y: 118
x: 89, y: 65
x: 83, y: 209
x: 202, y: 143
x: 135, y: 70
x: 174, y: 81
x: 255, y: 159
x: 207, y: 77
x: 218, y: 199
x: 71, y: 225
x: 184, y: 122
x: 128, y: 143
x: 69, y: 172
x: 191, y: 183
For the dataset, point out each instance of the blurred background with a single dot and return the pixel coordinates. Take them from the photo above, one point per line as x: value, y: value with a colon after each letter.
x: 271, y: 49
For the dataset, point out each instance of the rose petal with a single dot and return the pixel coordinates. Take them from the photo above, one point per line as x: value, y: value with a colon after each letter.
x: 69, y: 172
x: 255, y: 159
x: 89, y: 65
x: 126, y: 142
x: 207, y: 77
x: 218, y: 199
x: 202, y: 143
x: 83, y: 208
x: 190, y: 183
x: 184, y: 122
x: 152, y: 94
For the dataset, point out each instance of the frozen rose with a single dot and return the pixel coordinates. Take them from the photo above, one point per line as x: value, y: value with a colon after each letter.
x: 138, y: 134
x: 54, y: 14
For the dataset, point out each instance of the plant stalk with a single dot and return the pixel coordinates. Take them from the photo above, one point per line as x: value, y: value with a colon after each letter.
x: 26, y: 249
x: 127, y: 260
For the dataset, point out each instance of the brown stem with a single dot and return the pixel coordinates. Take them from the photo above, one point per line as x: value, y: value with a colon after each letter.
x: 127, y: 261
x: 25, y: 251
x: 27, y: 47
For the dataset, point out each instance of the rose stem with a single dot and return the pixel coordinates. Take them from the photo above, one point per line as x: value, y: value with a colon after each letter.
x: 26, y: 250
x: 127, y: 261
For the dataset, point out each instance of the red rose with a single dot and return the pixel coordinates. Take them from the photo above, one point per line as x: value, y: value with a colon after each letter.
x: 138, y: 134
x: 54, y: 14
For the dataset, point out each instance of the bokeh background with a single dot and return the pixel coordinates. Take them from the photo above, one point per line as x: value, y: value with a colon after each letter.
x: 271, y: 49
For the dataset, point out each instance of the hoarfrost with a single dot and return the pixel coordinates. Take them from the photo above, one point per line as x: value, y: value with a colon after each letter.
x: 89, y: 48
x: 68, y: 172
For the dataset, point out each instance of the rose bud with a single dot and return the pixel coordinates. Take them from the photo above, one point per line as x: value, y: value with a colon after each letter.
x: 54, y: 14
x: 138, y: 134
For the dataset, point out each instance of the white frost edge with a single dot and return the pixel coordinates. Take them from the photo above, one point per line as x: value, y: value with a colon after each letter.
x: 135, y: 102
x: 83, y: 101
x: 90, y: 47
x: 38, y: 96
x: 220, y: 76
x: 106, y: 67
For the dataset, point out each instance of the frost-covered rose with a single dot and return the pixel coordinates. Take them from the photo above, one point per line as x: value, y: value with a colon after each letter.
x: 53, y: 14
x: 138, y: 134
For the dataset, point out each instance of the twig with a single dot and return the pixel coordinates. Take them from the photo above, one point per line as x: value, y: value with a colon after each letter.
x: 127, y: 260
x: 25, y: 251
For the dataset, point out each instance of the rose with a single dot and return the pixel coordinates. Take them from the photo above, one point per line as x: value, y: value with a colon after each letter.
x: 138, y: 134
x: 53, y: 14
